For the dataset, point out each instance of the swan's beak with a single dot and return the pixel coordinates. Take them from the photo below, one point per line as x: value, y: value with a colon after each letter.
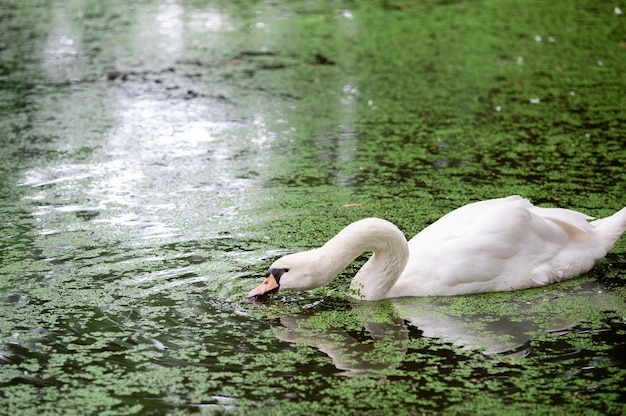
x: 268, y: 285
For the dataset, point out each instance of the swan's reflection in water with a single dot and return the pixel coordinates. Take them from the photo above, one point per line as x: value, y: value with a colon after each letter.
x: 374, y: 336
x: 378, y: 347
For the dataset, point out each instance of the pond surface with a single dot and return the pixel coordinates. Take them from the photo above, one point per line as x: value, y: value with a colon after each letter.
x: 157, y: 156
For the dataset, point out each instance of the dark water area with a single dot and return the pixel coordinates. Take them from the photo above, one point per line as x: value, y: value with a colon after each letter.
x: 157, y: 156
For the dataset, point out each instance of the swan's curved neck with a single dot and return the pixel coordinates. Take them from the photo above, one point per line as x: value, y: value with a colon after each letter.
x: 378, y: 275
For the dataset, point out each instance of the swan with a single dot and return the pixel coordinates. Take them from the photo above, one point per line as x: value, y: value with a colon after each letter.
x: 496, y: 245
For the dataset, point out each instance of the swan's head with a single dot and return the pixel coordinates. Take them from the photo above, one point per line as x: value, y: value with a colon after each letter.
x: 298, y: 271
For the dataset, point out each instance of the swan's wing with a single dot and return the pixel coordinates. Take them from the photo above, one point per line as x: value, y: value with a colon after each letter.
x: 494, y: 245
x: 572, y: 222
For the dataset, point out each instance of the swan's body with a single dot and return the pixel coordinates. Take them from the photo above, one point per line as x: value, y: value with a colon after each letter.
x: 489, y: 246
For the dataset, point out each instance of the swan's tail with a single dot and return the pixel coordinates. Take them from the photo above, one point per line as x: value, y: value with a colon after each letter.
x: 611, y: 228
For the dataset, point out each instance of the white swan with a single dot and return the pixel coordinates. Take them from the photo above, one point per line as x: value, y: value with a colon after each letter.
x: 489, y: 246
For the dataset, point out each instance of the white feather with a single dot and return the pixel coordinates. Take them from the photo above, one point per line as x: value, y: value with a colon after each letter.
x: 489, y: 246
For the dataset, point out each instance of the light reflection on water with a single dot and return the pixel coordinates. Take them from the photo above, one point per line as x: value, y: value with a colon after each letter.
x: 62, y: 49
x: 154, y: 146
x: 155, y: 171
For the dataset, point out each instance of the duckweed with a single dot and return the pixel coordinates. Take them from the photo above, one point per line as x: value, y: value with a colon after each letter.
x: 156, y: 157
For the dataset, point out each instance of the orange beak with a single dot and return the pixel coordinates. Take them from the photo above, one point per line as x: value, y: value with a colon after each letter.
x: 268, y: 284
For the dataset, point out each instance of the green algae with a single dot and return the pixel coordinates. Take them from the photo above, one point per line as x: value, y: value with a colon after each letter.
x: 129, y: 297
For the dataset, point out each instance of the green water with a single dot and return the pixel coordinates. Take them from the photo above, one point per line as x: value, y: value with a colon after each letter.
x: 156, y: 157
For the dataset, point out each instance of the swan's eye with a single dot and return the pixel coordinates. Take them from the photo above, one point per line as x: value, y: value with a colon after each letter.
x: 277, y: 273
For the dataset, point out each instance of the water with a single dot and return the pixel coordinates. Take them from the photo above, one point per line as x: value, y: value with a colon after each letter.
x: 157, y: 156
